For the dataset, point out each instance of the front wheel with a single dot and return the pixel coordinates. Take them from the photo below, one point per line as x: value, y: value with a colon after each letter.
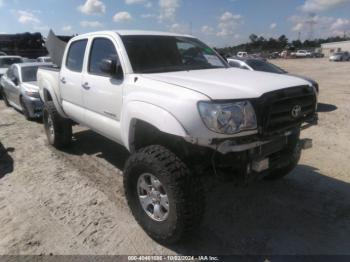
x: 25, y: 110
x: 58, y: 130
x: 164, y: 197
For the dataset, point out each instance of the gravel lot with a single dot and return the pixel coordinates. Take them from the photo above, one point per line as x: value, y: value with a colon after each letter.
x: 72, y: 202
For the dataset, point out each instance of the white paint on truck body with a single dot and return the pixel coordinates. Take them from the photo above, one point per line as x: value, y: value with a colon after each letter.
x: 168, y: 101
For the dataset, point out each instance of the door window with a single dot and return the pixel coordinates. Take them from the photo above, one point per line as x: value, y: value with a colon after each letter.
x: 75, y: 57
x: 101, y: 49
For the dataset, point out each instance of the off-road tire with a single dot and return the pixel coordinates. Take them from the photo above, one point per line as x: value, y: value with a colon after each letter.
x: 61, y: 135
x: 25, y: 110
x: 5, y: 98
x: 292, y: 156
x: 184, y: 190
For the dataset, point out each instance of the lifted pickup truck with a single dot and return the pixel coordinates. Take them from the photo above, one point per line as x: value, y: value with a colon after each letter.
x: 180, y: 110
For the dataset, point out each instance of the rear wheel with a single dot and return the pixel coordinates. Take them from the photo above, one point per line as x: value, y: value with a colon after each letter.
x: 58, y: 130
x: 164, y: 197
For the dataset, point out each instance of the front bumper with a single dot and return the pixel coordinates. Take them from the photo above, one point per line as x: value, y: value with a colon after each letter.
x: 34, y: 106
x: 229, y: 146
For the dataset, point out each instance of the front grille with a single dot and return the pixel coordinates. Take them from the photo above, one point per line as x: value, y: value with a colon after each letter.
x: 274, y: 109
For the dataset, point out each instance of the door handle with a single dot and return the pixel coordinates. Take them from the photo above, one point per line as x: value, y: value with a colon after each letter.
x: 86, y: 86
x: 63, y: 80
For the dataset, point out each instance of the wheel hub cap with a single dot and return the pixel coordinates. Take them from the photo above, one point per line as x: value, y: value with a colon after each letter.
x: 153, y: 197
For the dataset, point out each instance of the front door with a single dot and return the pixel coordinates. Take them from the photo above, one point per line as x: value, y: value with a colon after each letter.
x: 102, y: 92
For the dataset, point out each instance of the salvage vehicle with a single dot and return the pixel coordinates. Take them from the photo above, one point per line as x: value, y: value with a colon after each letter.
x: 5, y: 62
x: 242, y: 54
x: 20, y: 89
x: 301, y: 54
x: 181, y: 112
x: 253, y: 64
x: 44, y: 59
x: 340, y: 56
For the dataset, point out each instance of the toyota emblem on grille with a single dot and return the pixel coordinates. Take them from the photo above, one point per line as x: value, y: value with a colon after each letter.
x: 296, y: 111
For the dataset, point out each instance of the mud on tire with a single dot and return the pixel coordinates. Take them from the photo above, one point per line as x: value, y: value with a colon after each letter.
x: 183, y: 189
x: 58, y: 130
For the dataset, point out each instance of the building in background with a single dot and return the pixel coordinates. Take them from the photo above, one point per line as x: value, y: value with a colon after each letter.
x: 330, y: 48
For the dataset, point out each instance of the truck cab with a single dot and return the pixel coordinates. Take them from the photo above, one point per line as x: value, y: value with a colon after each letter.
x: 181, y: 111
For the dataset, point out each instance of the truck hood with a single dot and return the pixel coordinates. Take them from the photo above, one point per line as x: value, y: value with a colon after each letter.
x: 30, y: 86
x: 230, y: 83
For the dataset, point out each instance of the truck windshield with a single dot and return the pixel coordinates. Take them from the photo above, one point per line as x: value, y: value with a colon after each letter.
x: 157, y: 54
x: 29, y: 73
x: 6, y: 62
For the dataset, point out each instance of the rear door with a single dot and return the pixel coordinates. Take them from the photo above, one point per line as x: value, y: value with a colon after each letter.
x: 71, y: 80
x: 102, y: 93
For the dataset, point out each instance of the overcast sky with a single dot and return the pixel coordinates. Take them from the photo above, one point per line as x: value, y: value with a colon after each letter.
x: 217, y: 22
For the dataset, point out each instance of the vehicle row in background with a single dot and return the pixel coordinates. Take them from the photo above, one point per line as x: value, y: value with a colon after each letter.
x: 283, y: 54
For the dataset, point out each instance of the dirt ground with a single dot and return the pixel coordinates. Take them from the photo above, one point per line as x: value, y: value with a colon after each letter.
x: 72, y: 202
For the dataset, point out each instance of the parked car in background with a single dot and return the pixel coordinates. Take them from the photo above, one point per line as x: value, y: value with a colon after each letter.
x: 7, y: 61
x: 28, y: 60
x: 2, y: 53
x: 317, y: 55
x: 179, y: 110
x: 242, y: 54
x: 20, y: 89
x: 44, y: 59
x: 263, y: 66
x: 274, y: 55
x: 340, y: 56
x: 301, y: 54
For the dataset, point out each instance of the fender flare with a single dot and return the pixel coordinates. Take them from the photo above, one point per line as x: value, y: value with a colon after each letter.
x: 156, y: 116
x: 46, y: 87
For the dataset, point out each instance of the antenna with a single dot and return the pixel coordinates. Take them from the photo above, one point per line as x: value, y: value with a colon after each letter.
x: 311, y: 22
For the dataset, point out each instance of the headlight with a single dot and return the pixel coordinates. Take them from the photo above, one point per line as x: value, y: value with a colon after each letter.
x: 228, y: 118
x: 32, y: 94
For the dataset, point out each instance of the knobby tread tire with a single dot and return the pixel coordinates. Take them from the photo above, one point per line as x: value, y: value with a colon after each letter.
x: 62, y: 127
x: 184, y: 189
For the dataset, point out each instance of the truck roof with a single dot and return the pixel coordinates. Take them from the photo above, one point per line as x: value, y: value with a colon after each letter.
x: 134, y: 32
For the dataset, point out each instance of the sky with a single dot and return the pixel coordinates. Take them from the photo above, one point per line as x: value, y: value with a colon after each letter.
x: 219, y: 23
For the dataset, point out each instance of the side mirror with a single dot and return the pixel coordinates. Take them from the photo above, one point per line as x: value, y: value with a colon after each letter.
x: 112, y: 68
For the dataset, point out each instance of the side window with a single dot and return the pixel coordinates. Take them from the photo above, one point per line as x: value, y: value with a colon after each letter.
x: 75, y: 57
x: 101, y: 49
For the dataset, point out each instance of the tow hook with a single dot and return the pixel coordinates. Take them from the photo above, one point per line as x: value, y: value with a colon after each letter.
x: 305, y: 143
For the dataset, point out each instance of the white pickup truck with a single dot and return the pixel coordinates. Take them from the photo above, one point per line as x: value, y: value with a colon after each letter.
x: 302, y: 54
x: 181, y: 111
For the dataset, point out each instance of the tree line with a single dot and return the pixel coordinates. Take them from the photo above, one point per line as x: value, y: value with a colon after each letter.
x: 260, y: 44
